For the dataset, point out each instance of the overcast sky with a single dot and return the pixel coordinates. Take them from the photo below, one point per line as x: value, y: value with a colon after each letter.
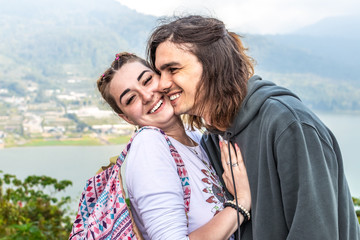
x: 253, y: 16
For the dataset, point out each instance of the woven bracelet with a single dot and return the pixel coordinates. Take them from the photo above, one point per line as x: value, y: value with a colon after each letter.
x: 239, y: 208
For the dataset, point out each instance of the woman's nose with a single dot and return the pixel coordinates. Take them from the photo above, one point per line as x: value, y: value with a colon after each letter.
x: 147, y: 96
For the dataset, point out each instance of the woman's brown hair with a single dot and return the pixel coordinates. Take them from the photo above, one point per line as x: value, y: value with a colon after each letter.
x: 103, y: 82
x: 226, y: 67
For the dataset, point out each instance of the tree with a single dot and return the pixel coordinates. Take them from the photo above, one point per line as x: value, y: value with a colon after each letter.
x: 29, y: 209
x: 16, y: 88
x: 357, y: 206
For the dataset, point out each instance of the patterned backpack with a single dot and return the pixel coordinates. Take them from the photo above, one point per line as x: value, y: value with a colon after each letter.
x: 103, y: 212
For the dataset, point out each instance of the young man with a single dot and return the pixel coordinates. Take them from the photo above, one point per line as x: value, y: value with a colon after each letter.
x: 294, y: 164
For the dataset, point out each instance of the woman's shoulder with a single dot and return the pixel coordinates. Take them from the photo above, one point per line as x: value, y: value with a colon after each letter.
x: 151, y: 135
x: 149, y: 142
x: 148, y: 155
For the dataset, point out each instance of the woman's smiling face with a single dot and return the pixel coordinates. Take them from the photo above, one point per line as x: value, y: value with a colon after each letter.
x: 135, y: 90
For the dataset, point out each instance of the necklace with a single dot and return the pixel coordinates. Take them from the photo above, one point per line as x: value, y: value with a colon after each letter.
x: 200, y: 156
x: 193, y: 150
x: 211, y: 174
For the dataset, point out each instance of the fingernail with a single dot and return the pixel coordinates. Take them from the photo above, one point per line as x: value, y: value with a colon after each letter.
x: 220, y: 143
x: 237, y: 146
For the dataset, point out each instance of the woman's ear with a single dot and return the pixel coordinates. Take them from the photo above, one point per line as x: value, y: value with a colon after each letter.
x: 126, y: 118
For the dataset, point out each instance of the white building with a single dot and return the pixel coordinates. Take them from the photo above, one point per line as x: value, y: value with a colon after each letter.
x: 32, y: 123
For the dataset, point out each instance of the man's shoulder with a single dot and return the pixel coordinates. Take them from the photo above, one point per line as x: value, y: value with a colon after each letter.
x: 281, y: 112
x: 287, y: 108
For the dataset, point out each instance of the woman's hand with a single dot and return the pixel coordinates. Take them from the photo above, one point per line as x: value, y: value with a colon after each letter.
x: 240, y: 174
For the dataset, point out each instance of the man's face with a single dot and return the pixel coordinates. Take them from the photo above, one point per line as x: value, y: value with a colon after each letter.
x: 180, y: 73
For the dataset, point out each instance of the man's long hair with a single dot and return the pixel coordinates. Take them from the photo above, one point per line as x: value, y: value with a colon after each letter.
x: 226, y: 67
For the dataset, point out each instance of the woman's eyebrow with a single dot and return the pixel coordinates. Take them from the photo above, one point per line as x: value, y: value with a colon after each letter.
x: 123, y: 93
x: 127, y: 90
x: 141, y: 74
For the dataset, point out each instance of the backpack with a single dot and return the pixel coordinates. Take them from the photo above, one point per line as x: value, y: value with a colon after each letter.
x: 103, y: 212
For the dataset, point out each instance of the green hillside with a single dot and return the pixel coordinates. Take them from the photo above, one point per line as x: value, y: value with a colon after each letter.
x: 46, y: 43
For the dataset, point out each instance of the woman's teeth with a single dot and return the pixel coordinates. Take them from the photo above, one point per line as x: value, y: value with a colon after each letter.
x: 175, y: 96
x: 156, y: 107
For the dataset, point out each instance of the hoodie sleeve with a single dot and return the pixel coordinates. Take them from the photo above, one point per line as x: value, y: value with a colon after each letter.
x: 308, y: 173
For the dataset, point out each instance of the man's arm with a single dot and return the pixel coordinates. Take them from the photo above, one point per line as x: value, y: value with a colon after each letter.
x: 308, y: 172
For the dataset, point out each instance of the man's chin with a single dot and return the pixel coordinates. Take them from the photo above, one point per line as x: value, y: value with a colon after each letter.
x: 179, y: 111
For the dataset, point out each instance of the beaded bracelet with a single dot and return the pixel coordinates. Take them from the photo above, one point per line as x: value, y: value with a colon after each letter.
x: 239, y: 208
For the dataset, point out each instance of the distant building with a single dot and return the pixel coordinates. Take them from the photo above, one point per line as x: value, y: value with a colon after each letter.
x: 32, y: 123
x: 92, y: 112
x: 4, y: 91
x: 4, y: 118
x: 120, y: 129
x: 32, y: 88
x: 54, y: 129
x: 72, y: 96
x: 14, y: 100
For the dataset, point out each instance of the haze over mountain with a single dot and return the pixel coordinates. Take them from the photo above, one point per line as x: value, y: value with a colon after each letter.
x: 46, y: 42
x: 329, y: 48
x: 344, y: 26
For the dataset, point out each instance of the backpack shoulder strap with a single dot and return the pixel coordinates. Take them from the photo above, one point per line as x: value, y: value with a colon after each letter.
x: 184, y: 178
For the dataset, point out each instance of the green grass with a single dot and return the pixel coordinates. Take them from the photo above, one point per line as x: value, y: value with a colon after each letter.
x: 74, y: 140
x: 85, y: 141
x: 10, y: 141
x: 119, y: 139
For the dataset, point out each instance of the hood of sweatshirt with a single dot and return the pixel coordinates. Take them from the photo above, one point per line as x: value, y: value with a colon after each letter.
x: 258, y: 92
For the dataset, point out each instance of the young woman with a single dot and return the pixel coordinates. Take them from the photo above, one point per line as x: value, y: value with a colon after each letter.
x: 130, y: 86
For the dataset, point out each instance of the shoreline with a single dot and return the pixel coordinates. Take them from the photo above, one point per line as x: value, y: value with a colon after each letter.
x: 83, y: 141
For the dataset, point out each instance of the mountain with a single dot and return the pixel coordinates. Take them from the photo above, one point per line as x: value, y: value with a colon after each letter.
x: 48, y: 42
x: 320, y: 62
x: 347, y: 26
x: 329, y: 48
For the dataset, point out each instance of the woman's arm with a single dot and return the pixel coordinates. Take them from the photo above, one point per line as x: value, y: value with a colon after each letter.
x: 154, y: 188
x: 224, y: 224
x: 157, y: 196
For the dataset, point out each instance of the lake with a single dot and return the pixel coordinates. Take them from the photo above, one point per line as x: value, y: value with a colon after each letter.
x: 78, y: 163
x: 346, y: 129
x: 75, y: 163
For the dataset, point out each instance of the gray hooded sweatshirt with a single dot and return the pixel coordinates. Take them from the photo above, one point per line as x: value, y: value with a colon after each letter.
x: 295, y: 169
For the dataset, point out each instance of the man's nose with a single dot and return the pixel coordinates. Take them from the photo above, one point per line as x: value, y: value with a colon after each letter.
x: 164, y: 84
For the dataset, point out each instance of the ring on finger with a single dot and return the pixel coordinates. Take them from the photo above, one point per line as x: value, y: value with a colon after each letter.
x: 234, y: 164
x: 228, y: 163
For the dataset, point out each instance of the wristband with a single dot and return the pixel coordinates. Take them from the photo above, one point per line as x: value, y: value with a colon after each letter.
x: 239, y: 208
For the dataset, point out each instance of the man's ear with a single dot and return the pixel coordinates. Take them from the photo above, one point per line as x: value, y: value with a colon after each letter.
x: 126, y: 118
